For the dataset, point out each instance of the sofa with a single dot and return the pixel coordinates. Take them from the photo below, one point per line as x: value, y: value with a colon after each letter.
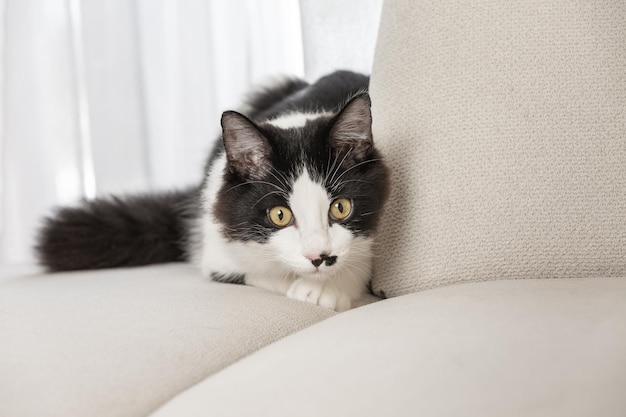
x: 499, y: 285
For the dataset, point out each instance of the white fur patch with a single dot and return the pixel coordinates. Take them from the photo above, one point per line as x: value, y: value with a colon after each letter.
x: 295, y: 120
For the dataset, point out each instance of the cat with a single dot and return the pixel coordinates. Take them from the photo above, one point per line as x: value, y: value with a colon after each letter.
x: 290, y: 201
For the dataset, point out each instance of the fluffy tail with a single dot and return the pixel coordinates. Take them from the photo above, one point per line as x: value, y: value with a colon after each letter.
x: 118, y: 231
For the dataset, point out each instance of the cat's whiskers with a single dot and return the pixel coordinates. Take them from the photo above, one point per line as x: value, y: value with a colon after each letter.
x: 284, y: 181
x: 246, y: 231
x: 334, y: 188
x: 330, y: 168
x: 353, y: 265
x: 360, y: 253
x: 234, y: 226
x: 368, y: 161
x: 331, y: 180
x: 350, y: 273
x: 256, y: 182
x: 328, y: 164
x: 281, y: 193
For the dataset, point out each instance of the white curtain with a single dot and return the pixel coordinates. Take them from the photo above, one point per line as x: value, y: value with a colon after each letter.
x: 339, y: 34
x: 118, y: 96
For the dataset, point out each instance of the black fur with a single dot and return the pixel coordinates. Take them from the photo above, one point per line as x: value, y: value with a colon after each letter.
x: 229, y: 278
x: 155, y: 228
x: 113, y: 232
x: 328, y: 93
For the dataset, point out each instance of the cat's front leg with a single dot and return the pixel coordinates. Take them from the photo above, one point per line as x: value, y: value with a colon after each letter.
x: 321, y: 292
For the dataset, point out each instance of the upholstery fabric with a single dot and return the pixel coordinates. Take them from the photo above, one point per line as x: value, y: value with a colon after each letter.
x: 501, y: 348
x: 121, y: 342
x: 505, y: 127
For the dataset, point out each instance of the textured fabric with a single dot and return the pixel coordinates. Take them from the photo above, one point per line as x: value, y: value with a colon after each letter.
x: 121, y: 342
x: 505, y: 127
x: 504, y: 348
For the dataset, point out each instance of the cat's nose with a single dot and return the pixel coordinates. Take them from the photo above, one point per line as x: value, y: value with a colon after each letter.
x: 323, y: 258
x: 317, y: 262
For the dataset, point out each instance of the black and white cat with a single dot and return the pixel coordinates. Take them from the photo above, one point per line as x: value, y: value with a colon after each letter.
x: 290, y: 202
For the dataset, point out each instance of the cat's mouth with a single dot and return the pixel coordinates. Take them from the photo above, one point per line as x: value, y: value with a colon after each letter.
x: 322, y: 266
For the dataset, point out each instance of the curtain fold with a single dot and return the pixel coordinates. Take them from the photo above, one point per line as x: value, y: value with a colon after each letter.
x: 119, y: 96
x: 40, y: 164
x: 339, y: 34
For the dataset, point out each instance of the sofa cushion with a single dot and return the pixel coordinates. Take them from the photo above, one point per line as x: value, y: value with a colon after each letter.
x: 501, y: 348
x: 503, y: 123
x: 121, y: 342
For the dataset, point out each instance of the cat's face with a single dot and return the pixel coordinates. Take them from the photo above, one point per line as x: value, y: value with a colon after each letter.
x: 308, y: 197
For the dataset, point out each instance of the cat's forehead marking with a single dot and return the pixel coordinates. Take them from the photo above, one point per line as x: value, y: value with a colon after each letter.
x: 296, y: 119
x: 309, y: 201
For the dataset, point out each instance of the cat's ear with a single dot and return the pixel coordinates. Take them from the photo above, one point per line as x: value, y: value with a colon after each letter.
x: 247, y: 149
x: 351, y: 134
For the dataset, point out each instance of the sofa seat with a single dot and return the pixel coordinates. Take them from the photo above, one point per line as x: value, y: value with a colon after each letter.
x: 121, y: 342
x: 503, y: 348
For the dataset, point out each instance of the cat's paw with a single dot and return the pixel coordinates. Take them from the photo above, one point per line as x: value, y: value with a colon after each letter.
x: 318, y: 292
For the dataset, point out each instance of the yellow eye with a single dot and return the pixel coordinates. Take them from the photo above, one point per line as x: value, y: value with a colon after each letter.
x: 280, y: 216
x: 340, y: 209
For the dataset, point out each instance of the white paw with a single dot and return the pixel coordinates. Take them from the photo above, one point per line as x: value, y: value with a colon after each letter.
x: 322, y: 293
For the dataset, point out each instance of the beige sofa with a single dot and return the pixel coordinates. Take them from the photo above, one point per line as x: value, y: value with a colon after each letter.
x: 502, y: 252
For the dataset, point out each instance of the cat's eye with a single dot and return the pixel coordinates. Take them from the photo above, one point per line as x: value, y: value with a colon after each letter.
x: 280, y: 216
x: 340, y: 209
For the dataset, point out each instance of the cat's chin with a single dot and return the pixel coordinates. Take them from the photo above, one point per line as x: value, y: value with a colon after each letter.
x: 315, y: 274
